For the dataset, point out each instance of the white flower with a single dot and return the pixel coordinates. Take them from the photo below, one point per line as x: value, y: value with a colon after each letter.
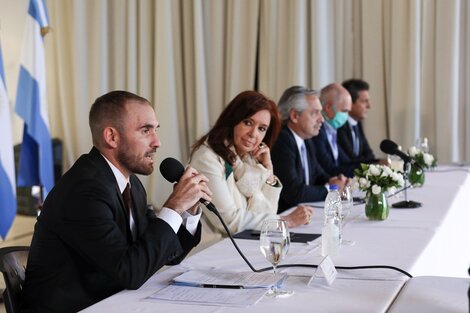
x: 413, y: 151
x: 376, y: 189
x: 428, y: 159
x: 387, y: 171
x: 374, y: 170
x: 362, y: 182
x: 392, y: 190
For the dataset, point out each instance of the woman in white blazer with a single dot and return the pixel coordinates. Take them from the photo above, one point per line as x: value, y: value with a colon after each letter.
x: 235, y: 156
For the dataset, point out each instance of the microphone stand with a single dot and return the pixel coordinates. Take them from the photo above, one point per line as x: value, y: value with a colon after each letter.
x: 406, y: 204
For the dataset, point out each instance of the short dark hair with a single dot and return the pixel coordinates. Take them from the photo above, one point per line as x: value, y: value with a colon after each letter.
x: 354, y: 86
x: 109, y: 109
x: 244, y: 105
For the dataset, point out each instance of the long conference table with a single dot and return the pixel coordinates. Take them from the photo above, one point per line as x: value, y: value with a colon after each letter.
x: 431, y: 243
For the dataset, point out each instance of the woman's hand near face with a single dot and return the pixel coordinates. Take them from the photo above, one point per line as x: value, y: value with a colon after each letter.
x: 263, y: 155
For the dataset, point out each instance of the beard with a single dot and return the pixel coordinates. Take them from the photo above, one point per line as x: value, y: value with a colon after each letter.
x: 134, y: 163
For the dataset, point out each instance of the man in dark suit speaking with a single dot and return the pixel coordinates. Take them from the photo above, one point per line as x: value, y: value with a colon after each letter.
x: 95, y: 235
x: 293, y: 155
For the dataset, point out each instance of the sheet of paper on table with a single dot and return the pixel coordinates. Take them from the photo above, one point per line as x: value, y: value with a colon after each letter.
x: 209, y: 296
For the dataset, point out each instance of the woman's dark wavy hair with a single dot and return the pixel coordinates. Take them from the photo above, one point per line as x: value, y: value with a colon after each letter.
x: 244, y: 105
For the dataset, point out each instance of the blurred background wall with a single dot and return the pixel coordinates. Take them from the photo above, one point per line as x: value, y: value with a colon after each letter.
x: 191, y: 57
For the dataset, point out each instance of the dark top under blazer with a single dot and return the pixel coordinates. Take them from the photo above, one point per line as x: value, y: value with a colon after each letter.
x: 288, y: 168
x: 325, y: 157
x: 345, y: 141
x: 82, y: 249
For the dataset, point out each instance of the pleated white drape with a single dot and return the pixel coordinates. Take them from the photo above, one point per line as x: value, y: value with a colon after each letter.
x: 190, y: 57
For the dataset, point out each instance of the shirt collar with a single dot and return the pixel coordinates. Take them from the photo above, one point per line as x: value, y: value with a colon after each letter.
x: 330, y: 130
x: 120, y: 178
x: 299, y: 141
x: 352, y: 122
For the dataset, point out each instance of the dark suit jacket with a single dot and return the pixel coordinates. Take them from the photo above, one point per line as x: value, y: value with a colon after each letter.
x: 288, y: 168
x: 326, y: 159
x: 345, y: 141
x: 82, y: 249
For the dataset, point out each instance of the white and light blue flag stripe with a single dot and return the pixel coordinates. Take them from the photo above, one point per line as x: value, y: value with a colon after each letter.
x: 7, y: 161
x: 36, y: 162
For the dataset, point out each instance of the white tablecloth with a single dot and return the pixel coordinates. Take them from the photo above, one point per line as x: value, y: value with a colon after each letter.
x: 432, y: 240
x: 432, y: 294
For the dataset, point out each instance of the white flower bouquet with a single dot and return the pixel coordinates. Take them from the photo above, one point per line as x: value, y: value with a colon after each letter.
x: 376, y: 179
x: 423, y: 159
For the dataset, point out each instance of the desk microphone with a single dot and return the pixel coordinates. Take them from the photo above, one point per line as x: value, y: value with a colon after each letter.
x: 389, y: 147
x: 172, y: 170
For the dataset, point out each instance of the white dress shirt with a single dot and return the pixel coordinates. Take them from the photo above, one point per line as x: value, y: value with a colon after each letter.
x: 331, y: 135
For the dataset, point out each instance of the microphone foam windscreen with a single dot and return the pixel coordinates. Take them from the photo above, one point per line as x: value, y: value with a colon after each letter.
x: 171, y: 169
x: 388, y: 146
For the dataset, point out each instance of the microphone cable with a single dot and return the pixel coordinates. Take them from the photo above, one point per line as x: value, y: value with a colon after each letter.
x: 172, y: 170
x: 216, y: 212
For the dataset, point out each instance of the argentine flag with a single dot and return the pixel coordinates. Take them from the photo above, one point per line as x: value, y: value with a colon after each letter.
x: 7, y: 161
x: 36, y: 163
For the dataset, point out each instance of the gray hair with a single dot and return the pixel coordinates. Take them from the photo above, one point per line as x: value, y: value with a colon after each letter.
x: 294, y: 98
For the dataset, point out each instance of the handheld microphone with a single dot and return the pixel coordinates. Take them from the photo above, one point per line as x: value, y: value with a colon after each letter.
x: 172, y: 170
x: 389, y: 147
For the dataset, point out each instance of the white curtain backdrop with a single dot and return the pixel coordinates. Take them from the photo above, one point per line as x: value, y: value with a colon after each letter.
x: 191, y: 57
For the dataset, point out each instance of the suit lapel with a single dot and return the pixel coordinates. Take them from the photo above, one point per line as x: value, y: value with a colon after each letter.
x: 347, y: 139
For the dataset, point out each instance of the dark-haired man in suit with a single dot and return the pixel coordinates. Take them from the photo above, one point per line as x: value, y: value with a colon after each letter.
x: 95, y: 235
x: 293, y: 155
x: 351, y: 137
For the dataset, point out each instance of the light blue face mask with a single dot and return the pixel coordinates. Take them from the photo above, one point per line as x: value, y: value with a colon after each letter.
x: 338, y: 120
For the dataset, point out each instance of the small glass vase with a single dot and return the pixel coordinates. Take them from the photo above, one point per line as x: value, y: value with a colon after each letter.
x: 416, y: 177
x: 377, y: 208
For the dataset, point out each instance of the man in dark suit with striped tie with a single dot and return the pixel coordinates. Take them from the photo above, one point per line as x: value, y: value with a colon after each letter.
x: 351, y: 136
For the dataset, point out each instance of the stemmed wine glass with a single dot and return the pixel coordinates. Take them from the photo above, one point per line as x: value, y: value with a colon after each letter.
x: 274, y: 244
x: 346, y: 207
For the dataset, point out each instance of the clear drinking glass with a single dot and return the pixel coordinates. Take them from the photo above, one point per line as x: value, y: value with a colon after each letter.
x: 274, y: 244
x: 346, y: 207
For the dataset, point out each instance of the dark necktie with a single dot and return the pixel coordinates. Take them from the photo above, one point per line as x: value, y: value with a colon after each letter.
x: 126, y: 196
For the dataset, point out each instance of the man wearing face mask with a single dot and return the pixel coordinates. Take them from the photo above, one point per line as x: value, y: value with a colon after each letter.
x: 336, y: 102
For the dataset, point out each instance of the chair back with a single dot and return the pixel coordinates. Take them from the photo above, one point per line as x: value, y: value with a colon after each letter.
x: 12, y: 265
